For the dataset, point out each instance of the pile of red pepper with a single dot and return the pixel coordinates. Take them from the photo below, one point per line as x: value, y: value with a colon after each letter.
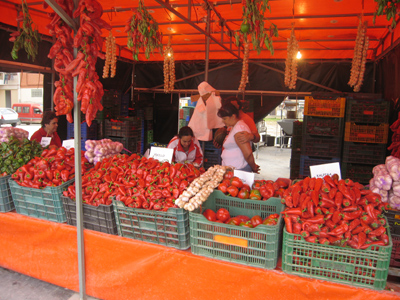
x: 138, y: 182
x: 338, y: 212
x: 223, y: 216
x: 53, y: 168
x: 260, y: 190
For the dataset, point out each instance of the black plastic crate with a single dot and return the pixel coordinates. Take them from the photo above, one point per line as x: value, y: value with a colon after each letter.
x: 393, y: 217
x: 327, y: 127
x: 130, y: 128
x: 87, y: 133
x: 319, y: 146
x: 357, y: 172
x: 99, y: 218
x: 364, y: 153
x: 296, y: 142
x: 307, y: 161
x: 367, y: 111
x: 297, y: 128
x: 395, y: 257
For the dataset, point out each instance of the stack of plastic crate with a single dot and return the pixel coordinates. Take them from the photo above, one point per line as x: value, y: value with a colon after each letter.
x: 87, y: 133
x: 211, y: 155
x: 126, y: 131
x: 297, y: 138
x: 322, y: 131
x: 365, y: 138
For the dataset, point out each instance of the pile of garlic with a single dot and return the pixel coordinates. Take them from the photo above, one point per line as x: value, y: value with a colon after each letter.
x: 291, y: 61
x: 360, y: 57
x: 200, y: 188
x: 245, y: 68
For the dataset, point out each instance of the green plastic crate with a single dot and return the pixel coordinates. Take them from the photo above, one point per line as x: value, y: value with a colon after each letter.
x: 6, y: 201
x: 363, y: 268
x: 40, y: 203
x: 99, y: 218
x: 257, y: 247
x: 169, y: 228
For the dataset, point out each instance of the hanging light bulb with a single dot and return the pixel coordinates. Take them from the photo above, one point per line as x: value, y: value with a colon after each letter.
x: 169, y: 54
x: 298, y: 56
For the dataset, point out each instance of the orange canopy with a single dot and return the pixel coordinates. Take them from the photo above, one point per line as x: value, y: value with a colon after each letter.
x: 325, y: 29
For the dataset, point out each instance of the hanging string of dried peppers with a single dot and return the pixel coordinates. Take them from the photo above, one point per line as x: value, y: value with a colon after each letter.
x: 291, y: 61
x: 143, y: 32
x: 169, y: 68
x: 111, y: 57
x: 62, y: 52
x: 245, y: 68
x: 359, y: 58
x: 25, y: 37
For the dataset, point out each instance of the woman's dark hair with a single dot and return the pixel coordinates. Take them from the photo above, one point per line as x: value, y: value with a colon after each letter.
x: 231, y: 99
x: 47, y: 117
x: 185, y: 131
x: 227, y: 110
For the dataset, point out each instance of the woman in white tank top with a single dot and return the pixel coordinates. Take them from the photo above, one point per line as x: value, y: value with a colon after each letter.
x: 234, y: 154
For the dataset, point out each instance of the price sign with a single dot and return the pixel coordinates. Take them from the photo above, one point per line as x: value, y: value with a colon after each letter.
x: 319, y: 171
x: 68, y: 144
x: 161, y: 154
x: 45, y: 141
x: 246, y: 177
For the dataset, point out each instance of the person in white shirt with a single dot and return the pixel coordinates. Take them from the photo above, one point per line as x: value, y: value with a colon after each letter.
x: 236, y: 154
x: 186, y: 147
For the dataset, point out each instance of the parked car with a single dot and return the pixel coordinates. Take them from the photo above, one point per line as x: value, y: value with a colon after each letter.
x: 9, y: 116
x: 28, y: 112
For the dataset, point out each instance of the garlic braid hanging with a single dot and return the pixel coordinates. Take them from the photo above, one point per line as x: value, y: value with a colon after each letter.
x: 245, y: 68
x: 291, y: 61
x: 111, y: 56
x: 360, y: 57
x: 169, y: 68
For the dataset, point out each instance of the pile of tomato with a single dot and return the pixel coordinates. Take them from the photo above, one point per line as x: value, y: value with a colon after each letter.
x: 223, y: 216
x: 260, y: 190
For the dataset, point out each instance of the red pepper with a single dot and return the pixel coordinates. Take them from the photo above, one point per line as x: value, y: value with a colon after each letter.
x: 295, y: 211
x: 289, y: 226
x: 376, y: 243
x: 64, y: 175
x: 324, y: 241
x: 318, y: 219
x: 339, y: 230
x: 296, y: 227
x: 347, y: 216
x: 318, y: 184
x: 385, y: 238
x: 328, y: 179
x: 315, y: 197
x: 306, y: 183
x: 312, y: 239
x: 305, y: 234
x: 357, y: 230
x: 378, y: 232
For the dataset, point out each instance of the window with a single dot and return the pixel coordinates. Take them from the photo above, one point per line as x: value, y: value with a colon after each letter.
x: 36, y: 93
x: 25, y: 110
x: 37, y: 111
x: 17, y: 109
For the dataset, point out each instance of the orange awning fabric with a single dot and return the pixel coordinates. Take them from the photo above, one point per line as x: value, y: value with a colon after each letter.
x: 122, y: 268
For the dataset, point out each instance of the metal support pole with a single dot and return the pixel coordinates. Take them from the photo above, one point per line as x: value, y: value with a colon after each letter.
x: 207, y: 43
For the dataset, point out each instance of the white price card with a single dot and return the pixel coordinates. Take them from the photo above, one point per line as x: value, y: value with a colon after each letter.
x: 45, y: 141
x: 162, y: 154
x: 68, y: 144
x: 319, y: 171
x: 246, y: 177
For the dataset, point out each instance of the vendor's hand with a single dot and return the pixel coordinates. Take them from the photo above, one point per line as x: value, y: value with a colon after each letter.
x: 244, y: 137
x: 216, y: 145
x: 256, y: 169
x: 196, y: 165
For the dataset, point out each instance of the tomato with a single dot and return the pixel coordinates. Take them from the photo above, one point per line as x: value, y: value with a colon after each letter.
x: 246, y: 224
x: 269, y: 222
x: 210, y: 215
x: 335, y: 177
x: 227, y: 182
x: 257, y: 184
x: 256, y: 220
x: 243, y: 194
x: 228, y: 175
x: 244, y: 28
x: 243, y: 218
x: 246, y: 187
x: 236, y: 181
x: 255, y: 194
x: 223, y: 187
x: 272, y: 217
x: 223, y: 215
x: 233, y: 190
x: 233, y: 221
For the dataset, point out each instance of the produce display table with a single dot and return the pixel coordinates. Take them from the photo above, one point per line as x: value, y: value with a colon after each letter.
x: 122, y: 268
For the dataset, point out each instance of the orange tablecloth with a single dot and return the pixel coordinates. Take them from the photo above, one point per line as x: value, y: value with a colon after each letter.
x: 122, y: 268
